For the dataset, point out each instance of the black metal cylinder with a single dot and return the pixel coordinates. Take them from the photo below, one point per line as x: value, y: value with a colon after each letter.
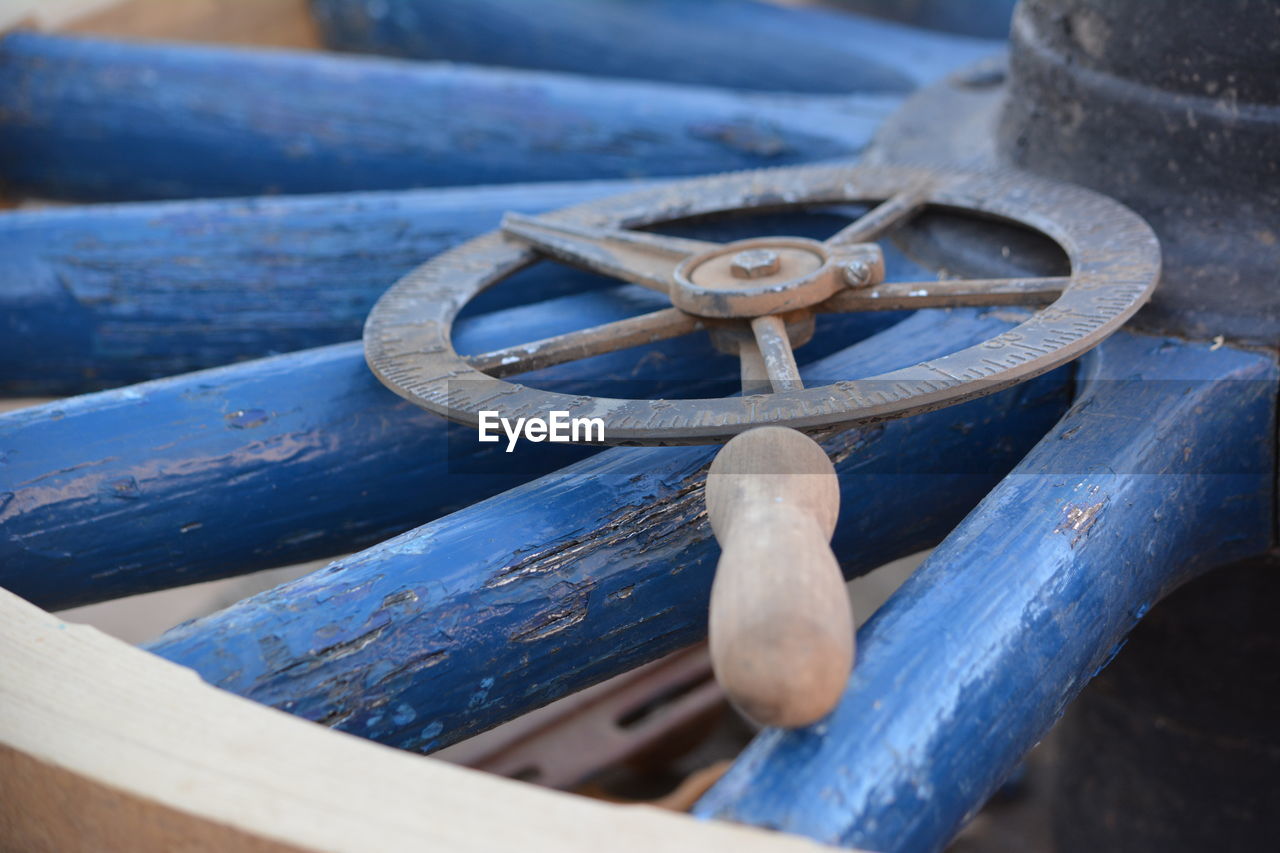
x: 1173, y: 107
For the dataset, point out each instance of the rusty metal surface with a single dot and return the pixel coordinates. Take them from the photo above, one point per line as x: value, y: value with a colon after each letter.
x: 568, y: 742
x: 634, y: 331
x: 1114, y: 257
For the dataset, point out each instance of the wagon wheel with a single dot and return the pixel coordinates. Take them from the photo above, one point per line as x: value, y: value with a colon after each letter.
x: 933, y: 718
x: 781, y: 639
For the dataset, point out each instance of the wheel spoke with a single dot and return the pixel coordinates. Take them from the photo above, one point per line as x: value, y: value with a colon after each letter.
x: 775, y: 350
x: 755, y: 377
x: 571, y: 346
x: 635, y: 256
x: 960, y: 293
x: 878, y: 220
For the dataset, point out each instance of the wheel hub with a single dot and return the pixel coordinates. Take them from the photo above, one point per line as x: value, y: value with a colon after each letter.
x: 766, y: 275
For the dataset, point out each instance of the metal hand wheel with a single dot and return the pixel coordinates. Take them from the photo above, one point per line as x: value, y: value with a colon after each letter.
x: 780, y: 628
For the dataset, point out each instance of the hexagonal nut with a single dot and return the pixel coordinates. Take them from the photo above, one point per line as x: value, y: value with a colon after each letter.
x: 755, y: 263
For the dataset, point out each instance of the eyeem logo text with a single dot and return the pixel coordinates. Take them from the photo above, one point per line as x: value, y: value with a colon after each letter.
x: 557, y: 427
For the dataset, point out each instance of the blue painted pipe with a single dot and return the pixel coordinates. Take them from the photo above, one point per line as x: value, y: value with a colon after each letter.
x: 1163, y: 468
x: 731, y: 43
x: 101, y: 296
x: 545, y: 589
x: 297, y: 457
x: 102, y: 120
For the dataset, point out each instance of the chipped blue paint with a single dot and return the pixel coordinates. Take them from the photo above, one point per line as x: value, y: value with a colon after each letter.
x: 431, y: 734
x: 731, y: 43
x: 545, y: 589
x: 297, y: 457
x: 1163, y: 468
x: 100, y: 120
x: 112, y: 294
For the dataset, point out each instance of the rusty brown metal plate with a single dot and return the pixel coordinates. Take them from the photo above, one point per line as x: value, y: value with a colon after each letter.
x: 1114, y: 258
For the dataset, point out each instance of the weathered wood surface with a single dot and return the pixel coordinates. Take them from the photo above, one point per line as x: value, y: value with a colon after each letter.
x: 101, y: 296
x: 295, y: 457
x: 504, y: 606
x: 102, y: 120
x: 292, y: 458
x: 104, y: 295
x: 105, y: 747
x: 779, y: 626
x: 729, y: 43
x: 1163, y: 467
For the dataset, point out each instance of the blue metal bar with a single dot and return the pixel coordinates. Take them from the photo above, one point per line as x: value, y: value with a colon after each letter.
x: 102, y: 296
x: 82, y: 118
x: 730, y: 43
x: 545, y: 589
x: 237, y: 469
x: 1164, y: 467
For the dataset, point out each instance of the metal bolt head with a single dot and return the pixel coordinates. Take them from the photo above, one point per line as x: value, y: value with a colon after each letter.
x: 755, y: 263
x: 857, y: 274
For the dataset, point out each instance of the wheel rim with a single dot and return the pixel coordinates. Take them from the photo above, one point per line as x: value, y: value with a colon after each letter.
x: 1114, y: 257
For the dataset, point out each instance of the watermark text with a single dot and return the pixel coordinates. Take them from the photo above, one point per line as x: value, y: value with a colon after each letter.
x: 556, y: 427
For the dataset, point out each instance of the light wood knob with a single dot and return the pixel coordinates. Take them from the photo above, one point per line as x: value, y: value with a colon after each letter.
x: 781, y: 628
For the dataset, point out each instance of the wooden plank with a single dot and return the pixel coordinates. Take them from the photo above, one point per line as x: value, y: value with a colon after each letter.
x: 107, y: 295
x: 1163, y: 468
x: 100, y: 120
x: 105, y: 747
x: 728, y: 43
x: 540, y: 591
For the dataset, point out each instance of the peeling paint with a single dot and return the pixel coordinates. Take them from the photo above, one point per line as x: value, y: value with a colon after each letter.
x: 625, y: 519
x: 1080, y: 520
x: 247, y: 418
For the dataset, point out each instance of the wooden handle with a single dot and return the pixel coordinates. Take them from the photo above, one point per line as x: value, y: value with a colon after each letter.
x: 781, y: 627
